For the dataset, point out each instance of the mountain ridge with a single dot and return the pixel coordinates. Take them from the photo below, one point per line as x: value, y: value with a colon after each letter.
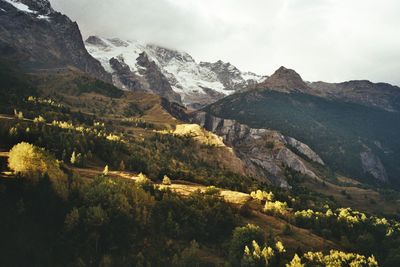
x: 197, y: 83
x: 379, y: 95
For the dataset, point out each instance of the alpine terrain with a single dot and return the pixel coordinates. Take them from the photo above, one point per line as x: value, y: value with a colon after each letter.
x: 133, y: 66
x: 121, y: 153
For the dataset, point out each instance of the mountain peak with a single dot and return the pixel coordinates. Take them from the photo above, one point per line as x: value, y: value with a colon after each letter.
x: 286, y: 79
x: 282, y: 68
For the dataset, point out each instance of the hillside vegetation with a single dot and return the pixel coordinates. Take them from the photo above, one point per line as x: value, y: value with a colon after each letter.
x: 339, y: 132
x: 111, y: 178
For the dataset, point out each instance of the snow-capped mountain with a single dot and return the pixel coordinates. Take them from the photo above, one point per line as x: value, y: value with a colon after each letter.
x: 231, y: 77
x: 197, y: 84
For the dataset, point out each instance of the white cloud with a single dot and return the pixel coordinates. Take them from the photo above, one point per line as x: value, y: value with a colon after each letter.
x: 331, y: 40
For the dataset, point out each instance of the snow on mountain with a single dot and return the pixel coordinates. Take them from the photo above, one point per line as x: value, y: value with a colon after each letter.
x: 34, y: 8
x: 20, y: 6
x: 198, y: 84
x: 185, y: 74
x: 250, y: 76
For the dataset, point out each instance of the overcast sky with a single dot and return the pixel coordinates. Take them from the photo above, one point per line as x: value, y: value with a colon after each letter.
x: 330, y: 40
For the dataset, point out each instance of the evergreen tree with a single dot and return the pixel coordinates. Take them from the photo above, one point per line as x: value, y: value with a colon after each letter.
x: 242, y: 237
x: 64, y: 155
x: 79, y: 160
x: 122, y: 166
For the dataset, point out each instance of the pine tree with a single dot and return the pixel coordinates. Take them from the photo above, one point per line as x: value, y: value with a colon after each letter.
x: 79, y: 159
x: 89, y: 155
x: 64, y: 155
x: 122, y: 166
x: 84, y: 159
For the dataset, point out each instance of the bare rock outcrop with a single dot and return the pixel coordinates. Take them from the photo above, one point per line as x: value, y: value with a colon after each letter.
x: 304, y: 150
x: 373, y: 165
x: 266, y: 151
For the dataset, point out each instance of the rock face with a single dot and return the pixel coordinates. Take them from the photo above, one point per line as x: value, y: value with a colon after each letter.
x: 266, y: 152
x: 123, y: 77
x: 293, y: 162
x: 148, y: 79
x: 39, y: 38
x: 304, y: 150
x: 198, y: 84
x: 373, y: 165
x: 156, y: 80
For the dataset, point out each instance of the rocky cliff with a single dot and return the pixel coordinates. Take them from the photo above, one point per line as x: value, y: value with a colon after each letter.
x: 123, y: 77
x: 266, y: 151
x: 156, y: 80
x: 373, y: 165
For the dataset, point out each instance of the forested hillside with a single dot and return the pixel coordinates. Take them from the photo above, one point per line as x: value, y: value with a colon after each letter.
x: 94, y: 176
x: 352, y: 139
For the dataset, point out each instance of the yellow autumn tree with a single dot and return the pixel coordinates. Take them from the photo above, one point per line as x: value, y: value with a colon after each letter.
x: 166, y: 180
x: 296, y: 262
x: 33, y: 163
x: 142, y: 180
x: 275, y: 207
